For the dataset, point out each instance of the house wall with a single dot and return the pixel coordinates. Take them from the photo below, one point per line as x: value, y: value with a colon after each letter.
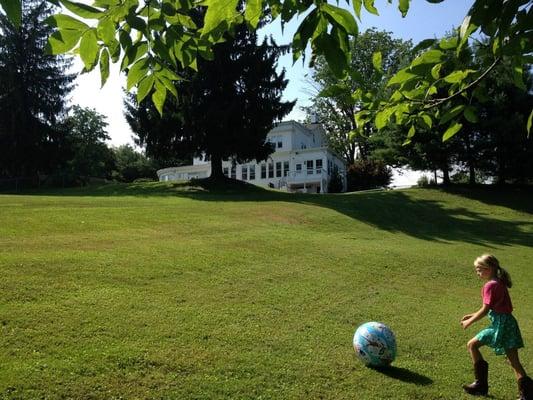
x: 300, y: 162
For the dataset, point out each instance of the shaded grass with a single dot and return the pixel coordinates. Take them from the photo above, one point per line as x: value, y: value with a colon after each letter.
x: 190, y: 291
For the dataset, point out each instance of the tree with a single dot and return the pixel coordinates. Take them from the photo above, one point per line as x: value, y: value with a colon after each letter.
x: 151, y: 37
x: 334, y: 103
x: 224, y: 111
x: 131, y: 165
x: 33, y: 92
x: 86, y: 137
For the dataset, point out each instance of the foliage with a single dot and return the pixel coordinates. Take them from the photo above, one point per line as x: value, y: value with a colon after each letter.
x: 130, y: 165
x: 335, y: 184
x: 86, y: 138
x: 224, y: 111
x: 33, y: 92
x: 368, y: 174
x: 153, y: 39
x: 334, y: 103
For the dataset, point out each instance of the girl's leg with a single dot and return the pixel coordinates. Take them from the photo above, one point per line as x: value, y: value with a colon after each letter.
x: 512, y: 356
x: 473, y: 348
x: 481, y: 370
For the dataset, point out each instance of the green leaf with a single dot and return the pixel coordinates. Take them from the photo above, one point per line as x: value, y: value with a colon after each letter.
x: 426, y: 121
x: 369, y: 5
x: 169, y: 85
x: 104, y: 66
x: 424, y: 44
x: 159, y: 97
x: 401, y: 77
x: 13, y: 10
x: 357, y: 8
x: 218, y: 12
x: 411, y: 132
x: 253, y: 12
x: 106, y: 30
x: 518, y: 77
x: 63, y: 21
x: 382, y: 118
x: 89, y: 49
x: 452, y: 113
x: 449, y: 43
x: 144, y: 88
x: 341, y: 17
x: 529, y: 122
x: 137, y: 72
x: 62, y: 41
x: 470, y: 114
x: 336, y: 58
x: 435, y: 71
x: 377, y: 60
x: 451, y: 131
x: 458, y: 76
x: 304, y: 32
x: 403, y: 6
x: 82, y: 10
x: 429, y: 57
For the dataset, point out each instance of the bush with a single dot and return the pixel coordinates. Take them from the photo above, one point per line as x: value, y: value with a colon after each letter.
x: 423, y: 181
x: 335, y: 183
x: 368, y: 174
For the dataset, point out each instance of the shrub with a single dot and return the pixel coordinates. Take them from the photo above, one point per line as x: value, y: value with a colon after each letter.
x: 368, y: 174
x: 335, y: 183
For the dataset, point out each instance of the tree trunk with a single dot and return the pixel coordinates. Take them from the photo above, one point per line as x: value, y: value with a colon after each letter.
x: 216, y: 168
x: 445, y: 175
x: 470, y: 161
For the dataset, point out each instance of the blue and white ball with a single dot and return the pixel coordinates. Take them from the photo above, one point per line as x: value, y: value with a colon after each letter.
x: 375, y: 344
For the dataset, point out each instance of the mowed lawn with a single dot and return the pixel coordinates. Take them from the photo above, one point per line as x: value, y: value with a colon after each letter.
x: 158, y: 291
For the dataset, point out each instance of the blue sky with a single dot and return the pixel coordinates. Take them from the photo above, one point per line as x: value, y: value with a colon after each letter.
x: 423, y: 21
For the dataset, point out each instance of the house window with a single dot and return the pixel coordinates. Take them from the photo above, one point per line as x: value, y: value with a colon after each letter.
x: 303, y: 146
x: 225, y: 170
x: 280, y: 144
x: 298, y: 168
x: 244, y: 172
x: 252, y: 172
x: 278, y: 169
x: 285, y: 168
x: 271, y: 170
x: 309, y: 164
x: 318, y: 166
x: 233, y: 172
x: 263, y: 171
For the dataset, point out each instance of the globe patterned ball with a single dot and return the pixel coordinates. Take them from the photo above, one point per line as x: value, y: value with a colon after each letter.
x: 374, y: 343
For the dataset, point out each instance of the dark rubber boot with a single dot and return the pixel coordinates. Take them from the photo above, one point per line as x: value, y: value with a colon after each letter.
x: 525, y: 388
x: 480, y: 387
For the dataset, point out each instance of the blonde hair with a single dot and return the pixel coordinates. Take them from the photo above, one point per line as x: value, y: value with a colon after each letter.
x: 491, y: 262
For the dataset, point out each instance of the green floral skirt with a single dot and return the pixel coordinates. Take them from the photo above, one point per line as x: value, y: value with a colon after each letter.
x: 502, y: 334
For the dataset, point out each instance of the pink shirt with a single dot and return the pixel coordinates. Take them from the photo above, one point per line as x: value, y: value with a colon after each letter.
x: 496, y: 296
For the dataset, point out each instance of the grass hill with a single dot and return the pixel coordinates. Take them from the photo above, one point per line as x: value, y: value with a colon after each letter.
x: 193, y: 291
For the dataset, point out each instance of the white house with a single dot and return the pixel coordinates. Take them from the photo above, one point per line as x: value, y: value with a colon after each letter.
x: 301, y: 162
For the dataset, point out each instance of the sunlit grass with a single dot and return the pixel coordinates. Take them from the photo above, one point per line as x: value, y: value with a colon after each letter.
x: 193, y: 291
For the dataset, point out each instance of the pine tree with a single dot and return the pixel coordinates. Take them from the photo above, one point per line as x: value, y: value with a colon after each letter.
x: 225, y: 110
x: 33, y: 94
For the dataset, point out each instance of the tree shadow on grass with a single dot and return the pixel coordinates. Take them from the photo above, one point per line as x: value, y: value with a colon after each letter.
x: 424, y: 215
x: 404, y: 375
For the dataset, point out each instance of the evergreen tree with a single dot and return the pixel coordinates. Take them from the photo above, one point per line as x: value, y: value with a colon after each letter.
x: 33, y: 94
x: 225, y: 110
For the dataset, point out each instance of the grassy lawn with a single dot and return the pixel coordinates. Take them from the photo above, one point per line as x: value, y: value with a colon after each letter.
x: 186, y: 292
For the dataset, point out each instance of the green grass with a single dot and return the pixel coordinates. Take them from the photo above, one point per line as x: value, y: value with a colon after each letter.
x: 190, y: 291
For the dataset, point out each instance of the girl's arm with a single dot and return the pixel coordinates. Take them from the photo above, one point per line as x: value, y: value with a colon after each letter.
x: 476, y: 316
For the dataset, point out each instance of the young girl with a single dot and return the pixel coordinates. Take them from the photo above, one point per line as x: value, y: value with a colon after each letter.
x: 503, y: 335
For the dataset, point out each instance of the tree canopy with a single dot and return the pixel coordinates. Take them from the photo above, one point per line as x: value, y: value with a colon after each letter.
x: 151, y: 38
x: 224, y: 111
x: 34, y: 88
